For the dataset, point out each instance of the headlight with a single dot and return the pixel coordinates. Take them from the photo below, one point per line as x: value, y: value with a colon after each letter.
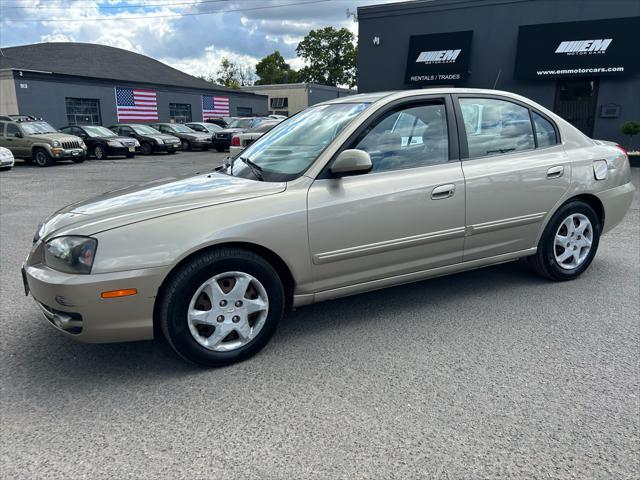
x: 38, y: 234
x: 136, y: 143
x: 55, y: 143
x: 114, y: 143
x: 70, y: 254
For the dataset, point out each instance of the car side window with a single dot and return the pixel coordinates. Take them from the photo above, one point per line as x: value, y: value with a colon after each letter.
x: 495, y: 126
x: 545, y: 132
x: 12, y: 129
x: 408, y: 137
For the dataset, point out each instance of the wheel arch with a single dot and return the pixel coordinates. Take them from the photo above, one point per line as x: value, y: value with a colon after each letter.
x: 594, y: 202
x: 278, y: 264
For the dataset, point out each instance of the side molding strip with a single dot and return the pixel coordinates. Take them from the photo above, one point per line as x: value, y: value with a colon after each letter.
x: 379, y: 247
x: 505, y: 223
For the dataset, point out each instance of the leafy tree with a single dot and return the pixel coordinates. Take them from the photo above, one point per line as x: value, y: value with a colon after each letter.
x: 272, y: 69
x: 234, y: 75
x: 330, y: 57
x: 630, y: 128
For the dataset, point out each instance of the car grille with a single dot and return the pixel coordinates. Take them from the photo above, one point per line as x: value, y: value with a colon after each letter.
x: 129, y: 144
x: 68, y: 145
x: 222, y: 135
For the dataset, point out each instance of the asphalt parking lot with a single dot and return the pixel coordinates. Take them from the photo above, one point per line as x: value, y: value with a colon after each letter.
x: 494, y: 373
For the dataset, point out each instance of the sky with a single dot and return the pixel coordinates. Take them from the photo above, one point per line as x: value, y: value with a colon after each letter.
x: 191, y: 35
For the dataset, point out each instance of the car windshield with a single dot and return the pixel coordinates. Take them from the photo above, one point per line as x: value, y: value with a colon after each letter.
x: 99, y: 132
x: 181, y: 129
x: 36, y: 128
x: 240, y: 123
x: 145, y: 130
x: 288, y: 149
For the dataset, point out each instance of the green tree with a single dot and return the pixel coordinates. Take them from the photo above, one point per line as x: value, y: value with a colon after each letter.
x: 630, y: 128
x: 330, y: 57
x: 272, y: 69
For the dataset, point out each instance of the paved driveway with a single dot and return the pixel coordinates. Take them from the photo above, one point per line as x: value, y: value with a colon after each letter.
x: 494, y: 373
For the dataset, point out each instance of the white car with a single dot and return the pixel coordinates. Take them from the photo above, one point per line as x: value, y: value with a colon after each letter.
x: 240, y: 141
x: 6, y: 158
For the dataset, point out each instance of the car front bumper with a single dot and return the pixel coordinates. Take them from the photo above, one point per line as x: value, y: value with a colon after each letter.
x: 222, y: 143
x: 122, y: 150
x: 167, y: 147
x: 65, y: 154
x: 6, y: 162
x: 73, y: 305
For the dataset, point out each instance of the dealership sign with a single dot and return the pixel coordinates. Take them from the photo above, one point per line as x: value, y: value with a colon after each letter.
x: 440, y: 58
x: 578, y: 49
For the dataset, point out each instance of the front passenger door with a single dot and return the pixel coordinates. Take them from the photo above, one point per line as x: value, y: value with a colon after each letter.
x: 405, y: 215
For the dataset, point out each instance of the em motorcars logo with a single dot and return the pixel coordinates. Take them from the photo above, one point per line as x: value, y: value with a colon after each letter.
x: 438, y: 56
x: 584, y: 47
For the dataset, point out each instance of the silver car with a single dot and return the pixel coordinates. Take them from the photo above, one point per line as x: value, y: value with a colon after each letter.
x: 348, y: 196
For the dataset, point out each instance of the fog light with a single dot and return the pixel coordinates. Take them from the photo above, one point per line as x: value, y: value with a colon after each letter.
x: 57, y: 151
x: 119, y: 293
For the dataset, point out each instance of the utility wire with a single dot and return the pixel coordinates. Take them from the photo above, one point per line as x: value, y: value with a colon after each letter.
x: 173, y: 15
x: 121, y: 7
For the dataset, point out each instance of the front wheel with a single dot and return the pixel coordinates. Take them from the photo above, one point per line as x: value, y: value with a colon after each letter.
x: 568, y: 243
x: 221, y: 307
x: 146, y: 148
x: 42, y: 158
x: 186, y: 146
x: 78, y: 159
x: 99, y: 152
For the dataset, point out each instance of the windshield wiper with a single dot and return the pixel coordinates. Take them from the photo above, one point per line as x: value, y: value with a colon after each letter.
x: 255, y: 168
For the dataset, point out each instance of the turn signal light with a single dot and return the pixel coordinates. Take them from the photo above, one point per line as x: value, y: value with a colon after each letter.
x: 119, y: 293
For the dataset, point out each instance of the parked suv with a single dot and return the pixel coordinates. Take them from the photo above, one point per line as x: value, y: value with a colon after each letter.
x: 189, y: 138
x: 102, y: 142
x: 35, y: 140
x: 151, y: 140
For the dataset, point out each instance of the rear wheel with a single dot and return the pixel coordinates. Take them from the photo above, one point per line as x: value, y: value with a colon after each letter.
x: 569, y: 242
x: 99, y: 152
x: 42, y: 158
x: 221, y: 307
x: 78, y: 159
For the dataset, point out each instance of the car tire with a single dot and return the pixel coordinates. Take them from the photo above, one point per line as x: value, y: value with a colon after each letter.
x: 146, y: 148
x: 78, y: 160
x: 42, y: 158
x: 99, y: 152
x: 201, y: 343
x: 172, y: 152
x: 567, y: 234
x: 219, y: 149
x: 186, y: 145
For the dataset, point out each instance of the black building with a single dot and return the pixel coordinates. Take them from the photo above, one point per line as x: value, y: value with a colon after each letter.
x: 578, y: 58
x: 81, y: 83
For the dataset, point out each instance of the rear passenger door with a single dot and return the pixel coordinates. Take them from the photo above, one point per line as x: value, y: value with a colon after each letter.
x: 515, y: 171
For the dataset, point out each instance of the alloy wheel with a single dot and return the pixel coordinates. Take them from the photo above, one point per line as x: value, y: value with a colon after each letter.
x: 228, y: 311
x: 573, y: 241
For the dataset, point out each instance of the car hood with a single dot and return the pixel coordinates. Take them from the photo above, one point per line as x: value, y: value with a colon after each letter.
x: 153, y: 199
x: 50, y: 137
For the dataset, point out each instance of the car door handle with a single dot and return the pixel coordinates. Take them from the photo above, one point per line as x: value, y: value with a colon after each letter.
x: 555, y: 172
x: 443, y: 191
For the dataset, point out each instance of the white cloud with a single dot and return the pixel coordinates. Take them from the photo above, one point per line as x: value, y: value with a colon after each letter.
x: 193, y: 43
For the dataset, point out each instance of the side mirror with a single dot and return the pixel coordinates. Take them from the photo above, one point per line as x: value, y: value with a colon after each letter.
x: 18, y: 134
x: 351, y: 162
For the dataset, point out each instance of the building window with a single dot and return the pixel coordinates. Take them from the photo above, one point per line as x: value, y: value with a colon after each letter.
x: 83, y: 111
x: 180, y: 112
x: 279, y: 102
x: 244, y: 111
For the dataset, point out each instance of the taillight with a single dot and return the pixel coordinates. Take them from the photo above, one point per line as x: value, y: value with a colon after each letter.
x: 235, y: 141
x: 624, y: 150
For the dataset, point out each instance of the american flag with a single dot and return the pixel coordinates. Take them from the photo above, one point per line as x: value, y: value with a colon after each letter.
x: 136, y: 104
x: 214, y: 106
